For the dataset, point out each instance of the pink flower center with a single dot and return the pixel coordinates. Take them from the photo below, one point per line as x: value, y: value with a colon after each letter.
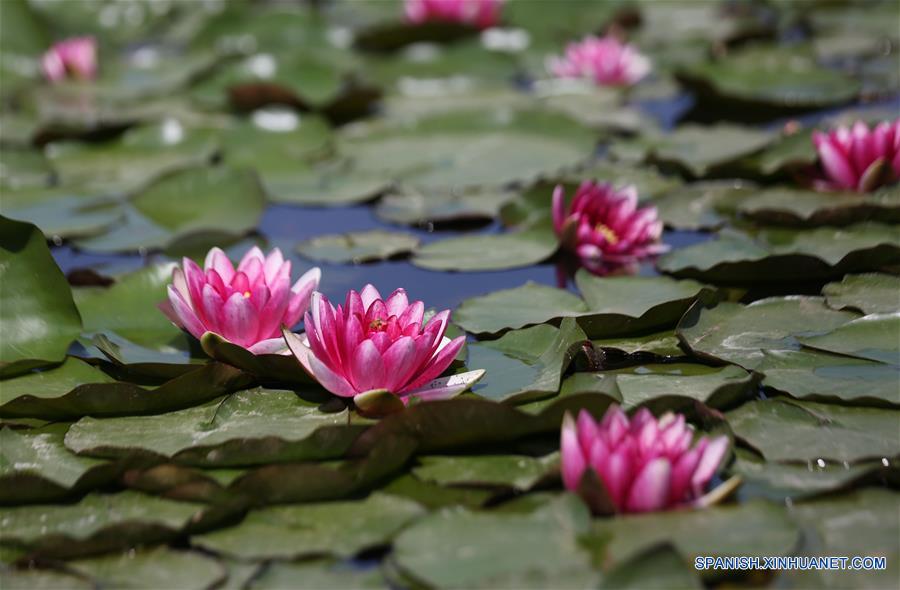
x: 377, y: 325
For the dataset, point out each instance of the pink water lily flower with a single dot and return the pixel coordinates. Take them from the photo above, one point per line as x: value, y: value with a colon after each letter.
x: 858, y: 158
x: 246, y: 305
x: 643, y: 463
x: 75, y: 58
x: 607, y: 61
x: 605, y: 227
x: 371, y: 344
x: 481, y: 14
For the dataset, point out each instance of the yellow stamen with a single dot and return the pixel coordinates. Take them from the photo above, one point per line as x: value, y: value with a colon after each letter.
x: 607, y: 233
x: 246, y: 294
x: 377, y: 324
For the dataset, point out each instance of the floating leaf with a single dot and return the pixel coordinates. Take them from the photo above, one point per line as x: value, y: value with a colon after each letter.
x: 785, y: 255
x: 464, y: 149
x: 819, y: 376
x: 414, y: 207
x: 97, y: 523
x: 36, y: 467
x: 525, y: 364
x: 60, y: 212
x: 160, y: 567
x: 658, y: 567
x: 483, y: 252
x: 868, y: 293
x: 716, y: 387
x: 862, y: 523
x: 267, y: 367
x: 357, y: 247
x: 141, y: 155
x: 516, y: 308
x: 118, y: 398
x: 456, y: 548
x: 128, y: 308
x: 37, y: 315
x: 316, y: 574
x: 785, y: 430
x: 24, y: 168
x: 660, y: 343
x: 701, y: 151
x: 783, y: 206
x: 222, y: 203
x: 765, y: 529
x: 873, y: 337
x: 770, y: 76
x: 702, y: 205
x: 340, y: 529
x: 612, y: 306
x: 246, y: 428
x: 741, y: 333
x: 786, y: 480
x: 518, y: 472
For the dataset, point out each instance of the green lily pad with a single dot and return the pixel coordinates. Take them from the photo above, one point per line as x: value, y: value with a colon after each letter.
x: 41, y: 580
x: 466, y: 149
x: 786, y: 430
x: 159, y: 567
x: 875, y: 337
x: 311, y: 79
x: 223, y: 203
x: 868, y: 293
x: 786, y: 255
x: 795, y: 151
x: 329, y: 182
x: 765, y: 529
x: 24, y: 168
x: 128, y: 308
x: 36, y: 467
x: 862, y: 523
x: 357, y: 247
x: 525, y: 364
x: 61, y: 213
x: 770, y: 76
x: 612, y: 306
x: 658, y: 567
x: 97, y: 523
x: 267, y: 367
x: 434, y: 496
x: 778, y: 481
x: 483, y: 252
x: 113, y: 398
x: 55, y: 382
x: 820, y: 376
x: 316, y: 574
x: 704, y: 205
x: 141, y: 363
x: 518, y: 307
x: 701, y: 151
x: 38, y: 318
x: 140, y: 156
x: 340, y: 529
x: 663, y: 343
x: 654, y: 385
x: 249, y: 427
x: 456, y: 548
x: 741, y: 333
x: 783, y: 206
x: 629, y: 305
x: 413, y: 207
x: 517, y: 472
x: 125, y: 93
